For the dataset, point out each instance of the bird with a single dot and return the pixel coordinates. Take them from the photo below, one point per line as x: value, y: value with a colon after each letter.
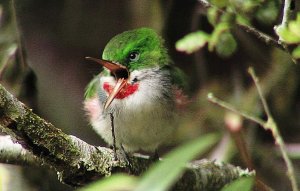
x: 140, y: 87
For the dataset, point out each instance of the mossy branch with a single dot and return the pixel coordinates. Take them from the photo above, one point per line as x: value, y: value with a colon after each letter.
x: 14, y: 153
x: 78, y: 163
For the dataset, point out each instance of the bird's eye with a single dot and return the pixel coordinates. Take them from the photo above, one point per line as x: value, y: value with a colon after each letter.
x: 134, y: 56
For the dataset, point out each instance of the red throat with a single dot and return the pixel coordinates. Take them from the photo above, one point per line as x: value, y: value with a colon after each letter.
x: 126, y: 91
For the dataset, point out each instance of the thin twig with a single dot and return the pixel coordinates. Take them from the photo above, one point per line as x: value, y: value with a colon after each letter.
x: 263, y: 37
x: 206, y: 4
x: 230, y: 107
x: 260, y: 35
x: 262, y: 98
x: 286, y: 13
x: 113, y: 135
x: 270, y: 124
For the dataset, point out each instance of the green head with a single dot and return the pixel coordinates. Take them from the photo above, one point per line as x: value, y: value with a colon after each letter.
x: 137, y: 49
x: 129, y: 53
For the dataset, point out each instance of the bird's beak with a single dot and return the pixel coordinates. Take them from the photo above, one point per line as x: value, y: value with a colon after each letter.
x: 118, y: 87
x: 112, y: 67
x: 121, y: 74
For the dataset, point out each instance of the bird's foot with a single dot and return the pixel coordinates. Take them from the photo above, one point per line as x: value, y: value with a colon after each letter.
x: 113, y: 136
x: 128, y: 160
x: 154, y: 157
x: 113, y: 147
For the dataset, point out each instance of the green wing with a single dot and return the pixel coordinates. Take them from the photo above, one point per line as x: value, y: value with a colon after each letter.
x: 92, y: 88
x: 179, y: 78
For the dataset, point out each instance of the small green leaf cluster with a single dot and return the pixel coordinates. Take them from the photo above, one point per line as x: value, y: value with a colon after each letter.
x: 290, y: 35
x: 221, y: 40
x: 265, y: 12
x: 223, y: 16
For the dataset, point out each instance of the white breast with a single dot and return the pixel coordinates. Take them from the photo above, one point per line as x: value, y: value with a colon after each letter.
x: 143, y: 120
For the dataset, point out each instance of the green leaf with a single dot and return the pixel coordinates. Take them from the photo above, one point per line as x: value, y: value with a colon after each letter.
x: 192, y: 42
x: 244, y: 183
x: 228, y: 17
x: 164, y: 173
x: 291, y: 33
x: 91, y: 88
x: 226, y: 45
x: 219, y: 29
x: 294, y: 26
x: 287, y: 36
x: 245, y: 6
x: 212, y: 15
x: 267, y: 13
x: 114, y: 183
x: 240, y: 19
x: 219, y: 3
x: 296, y: 52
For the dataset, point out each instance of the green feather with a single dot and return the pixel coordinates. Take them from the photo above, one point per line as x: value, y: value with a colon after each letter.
x: 92, y: 88
x: 179, y: 78
x: 144, y: 41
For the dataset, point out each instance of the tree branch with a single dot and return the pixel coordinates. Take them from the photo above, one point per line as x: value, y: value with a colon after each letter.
x: 14, y: 153
x: 230, y: 107
x: 78, y: 163
x: 268, y: 40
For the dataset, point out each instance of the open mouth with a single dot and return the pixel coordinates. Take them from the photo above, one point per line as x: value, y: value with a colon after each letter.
x: 120, y: 73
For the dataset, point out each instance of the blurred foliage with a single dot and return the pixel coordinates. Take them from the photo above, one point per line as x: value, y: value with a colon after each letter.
x: 291, y: 35
x: 236, y: 50
x: 217, y: 40
x: 15, y: 73
x: 192, y: 42
x: 163, y: 174
x: 244, y: 183
x: 9, y: 68
x: 223, y: 16
x: 115, y: 182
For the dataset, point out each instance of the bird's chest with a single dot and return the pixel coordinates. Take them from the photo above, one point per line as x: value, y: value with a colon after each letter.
x: 141, y: 109
x: 143, y: 117
x: 143, y: 122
